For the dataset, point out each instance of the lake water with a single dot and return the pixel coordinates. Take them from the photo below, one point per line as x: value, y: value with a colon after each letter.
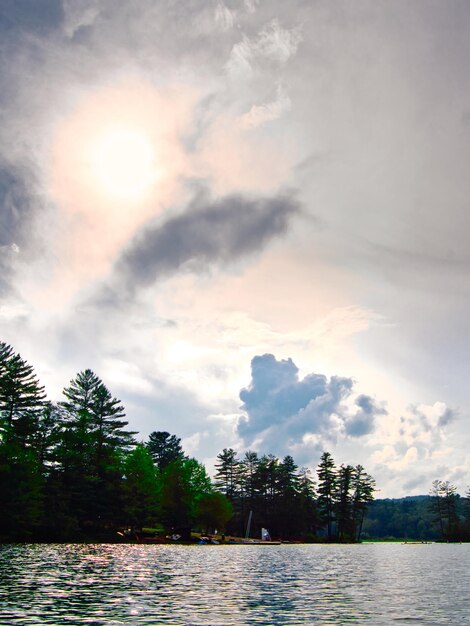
x: 106, y: 584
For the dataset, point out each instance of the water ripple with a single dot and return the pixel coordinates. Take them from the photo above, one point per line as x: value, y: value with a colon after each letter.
x: 105, y: 585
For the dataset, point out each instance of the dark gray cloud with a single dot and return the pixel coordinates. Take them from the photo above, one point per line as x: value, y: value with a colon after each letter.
x: 280, y: 408
x: 447, y: 417
x: 209, y: 232
x: 16, y: 206
x: 363, y: 422
x: 18, y: 203
x: 30, y: 16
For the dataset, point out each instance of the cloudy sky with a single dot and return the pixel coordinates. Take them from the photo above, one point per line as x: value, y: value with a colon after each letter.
x: 249, y: 218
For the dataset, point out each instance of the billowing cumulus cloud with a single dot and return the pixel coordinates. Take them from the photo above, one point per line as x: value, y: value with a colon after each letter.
x: 362, y: 422
x: 284, y: 411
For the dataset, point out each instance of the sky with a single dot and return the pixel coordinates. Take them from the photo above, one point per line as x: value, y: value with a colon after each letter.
x: 250, y: 219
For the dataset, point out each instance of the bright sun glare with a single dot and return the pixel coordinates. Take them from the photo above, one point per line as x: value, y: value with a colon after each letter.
x: 124, y: 161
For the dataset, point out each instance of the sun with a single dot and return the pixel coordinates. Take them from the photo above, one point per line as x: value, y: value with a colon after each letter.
x: 119, y: 147
x: 124, y: 162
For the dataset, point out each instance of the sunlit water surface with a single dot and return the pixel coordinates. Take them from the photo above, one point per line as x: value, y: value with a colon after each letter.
x: 226, y: 585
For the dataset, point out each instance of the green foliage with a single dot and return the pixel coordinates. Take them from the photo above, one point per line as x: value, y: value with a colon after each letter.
x: 213, y: 511
x: 184, y: 483
x: 141, y: 488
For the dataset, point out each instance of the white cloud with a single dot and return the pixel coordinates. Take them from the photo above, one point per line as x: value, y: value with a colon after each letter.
x: 251, y: 5
x: 224, y: 17
x: 272, y: 44
x: 259, y: 115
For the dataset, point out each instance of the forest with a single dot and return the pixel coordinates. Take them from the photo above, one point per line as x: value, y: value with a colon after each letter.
x: 443, y: 515
x: 73, y: 471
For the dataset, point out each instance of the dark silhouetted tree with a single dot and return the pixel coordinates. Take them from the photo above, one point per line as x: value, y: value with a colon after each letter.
x: 344, y: 504
x: 363, y: 488
x: 327, y: 484
x: 227, y: 474
x: 22, y: 400
x: 164, y: 448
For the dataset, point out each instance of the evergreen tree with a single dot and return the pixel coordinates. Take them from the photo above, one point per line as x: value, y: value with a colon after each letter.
x: 21, y: 485
x: 443, y: 504
x: 248, y: 470
x: 164, y: 448
x: 246, y: 489
x: 22, y: 398
x: 363, y: 487
x: 327, y: 485
x: 308, y: 505
x: 47, y: 435
x: 265, y: 491
x: 466, y: 516
x: 227, y: 473
x: 344, y: 504
x: 92, y: 447
x: 437, y: 505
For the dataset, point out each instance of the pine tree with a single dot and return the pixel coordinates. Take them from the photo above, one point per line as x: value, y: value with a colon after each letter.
x: 450, y: 506
x: 289, y: 521
x: 437, y: 506
x: 22, y: 398
x: 93, y: 444
x: 227, y: 473
x: 363, y: 487
x: 308, y: 504
x: 246, y: 492
x: 164, y: 448
x: 344, y: 503
x: 327, y: 483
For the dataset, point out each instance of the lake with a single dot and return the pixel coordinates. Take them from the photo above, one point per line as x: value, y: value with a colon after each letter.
x: 105, y: 584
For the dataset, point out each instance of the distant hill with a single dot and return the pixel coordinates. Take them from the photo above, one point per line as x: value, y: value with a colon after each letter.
x: 402, y: 518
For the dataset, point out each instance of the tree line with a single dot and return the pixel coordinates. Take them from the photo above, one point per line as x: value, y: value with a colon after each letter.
x: 450, y: 513
x: 443, y: 515
x: 73, y: 470
x: 289, y: 502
